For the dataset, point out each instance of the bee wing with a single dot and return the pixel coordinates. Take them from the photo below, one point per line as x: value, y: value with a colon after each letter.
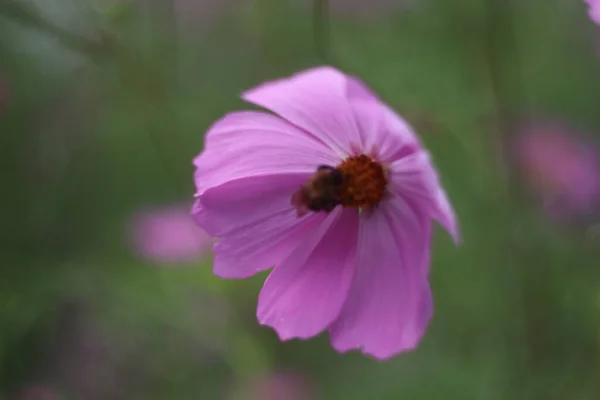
x: 299, y: 201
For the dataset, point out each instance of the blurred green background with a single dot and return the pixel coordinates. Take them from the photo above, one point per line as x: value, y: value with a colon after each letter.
x: 103, y: 105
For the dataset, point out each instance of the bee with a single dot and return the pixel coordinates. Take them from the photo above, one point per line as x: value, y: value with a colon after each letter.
x: 320, y: 193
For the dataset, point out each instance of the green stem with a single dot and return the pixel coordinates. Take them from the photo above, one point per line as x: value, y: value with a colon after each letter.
x: 26, y: 15
x: 321, y: 34
x: 501, y: 45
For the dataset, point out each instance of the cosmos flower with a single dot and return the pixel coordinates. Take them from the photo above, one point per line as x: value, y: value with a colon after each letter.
x: 594, y: 10
x: 337, y: 193
x: 560, y: 167
x: 168, y: 234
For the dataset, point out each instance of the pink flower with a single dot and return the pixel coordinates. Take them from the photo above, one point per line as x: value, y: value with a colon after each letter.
x: 337, y: 193
x: 560, y: 167
x: 168, y: 234
x: 594, y: 10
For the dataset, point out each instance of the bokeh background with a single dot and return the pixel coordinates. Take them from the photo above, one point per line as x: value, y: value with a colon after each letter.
x: 106, y: 290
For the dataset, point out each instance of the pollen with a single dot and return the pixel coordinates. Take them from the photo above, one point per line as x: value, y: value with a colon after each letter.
x: 364, y: 183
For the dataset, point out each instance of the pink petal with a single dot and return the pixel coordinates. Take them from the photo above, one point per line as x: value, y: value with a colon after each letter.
x: 414, y: 176
x: 315, y: 100
x: 384, y: 135
x: 255, y: 221
x: 245, y: 144
x: 356, y: 89
x: 389, y: 304
x: 305, y: 293
x: 594, y: 10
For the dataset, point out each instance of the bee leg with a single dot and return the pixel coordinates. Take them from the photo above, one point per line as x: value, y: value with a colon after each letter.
x: 326, y: 168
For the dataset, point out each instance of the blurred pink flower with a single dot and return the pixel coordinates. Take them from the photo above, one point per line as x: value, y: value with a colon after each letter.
x: 37, y: 392
x: 94, y: 359
x: 340, y: 196
x: 560, y: 166
x: 594, y: 10
x: 85, y: 361
x: 273, y: 385
x: 282, y: 386
x: 168, y: 234
x: 195, y: 14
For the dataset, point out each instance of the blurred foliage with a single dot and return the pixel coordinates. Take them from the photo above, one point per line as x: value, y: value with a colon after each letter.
x: 106, y: 106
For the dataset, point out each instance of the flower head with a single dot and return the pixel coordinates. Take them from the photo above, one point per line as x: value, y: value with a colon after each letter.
x: 168, y: 234
x: 561, y: 168
x: 594, y: 10
x: 338, y: 195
